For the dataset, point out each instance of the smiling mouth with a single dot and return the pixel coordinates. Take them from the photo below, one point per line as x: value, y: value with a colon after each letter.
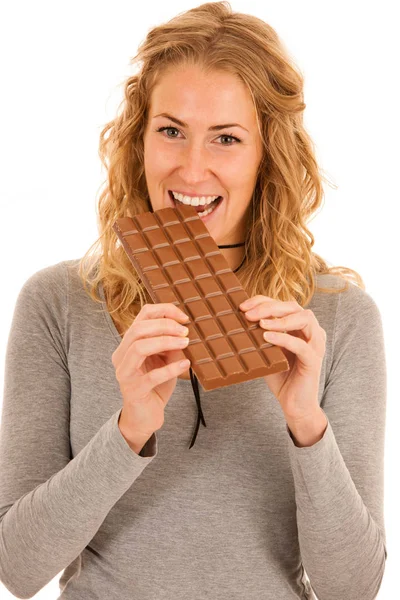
x: 200, y: 207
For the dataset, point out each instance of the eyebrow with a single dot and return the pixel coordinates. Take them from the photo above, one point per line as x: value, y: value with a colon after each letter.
x: 213, y: 128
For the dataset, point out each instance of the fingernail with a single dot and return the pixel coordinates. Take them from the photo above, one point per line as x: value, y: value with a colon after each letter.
x: 269, y: 336
x: 246, y: 304
x: 266, y: 321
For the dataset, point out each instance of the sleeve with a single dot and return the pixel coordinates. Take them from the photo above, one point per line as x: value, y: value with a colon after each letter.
x: 339, y: 481
x: 51, y: 506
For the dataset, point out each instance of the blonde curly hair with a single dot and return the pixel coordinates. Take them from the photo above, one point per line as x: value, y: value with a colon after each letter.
x: 279, y: 259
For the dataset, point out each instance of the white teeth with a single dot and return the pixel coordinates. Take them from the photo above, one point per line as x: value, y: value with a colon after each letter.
x: 206, y: 212
x: 198, y: 200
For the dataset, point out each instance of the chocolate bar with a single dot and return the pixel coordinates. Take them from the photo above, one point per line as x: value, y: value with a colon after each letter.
x: 179, y: 262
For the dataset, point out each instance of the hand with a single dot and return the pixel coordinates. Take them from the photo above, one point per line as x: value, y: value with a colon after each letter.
x: 147, y: 363
x: 296, y: 389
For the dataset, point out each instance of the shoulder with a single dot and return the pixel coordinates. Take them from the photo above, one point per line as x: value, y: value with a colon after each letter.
x: 52, y: 274
x: 41, y: 305
x: 353, y: 299
x: 355, y: 310
x: 48, y: 285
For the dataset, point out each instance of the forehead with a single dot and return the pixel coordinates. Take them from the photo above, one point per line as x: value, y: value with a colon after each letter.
x: 193, y: 95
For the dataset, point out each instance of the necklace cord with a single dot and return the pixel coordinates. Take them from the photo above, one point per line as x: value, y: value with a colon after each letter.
x: 193, y: 378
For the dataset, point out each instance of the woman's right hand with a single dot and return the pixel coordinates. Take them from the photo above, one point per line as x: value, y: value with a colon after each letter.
x: 147, y: 363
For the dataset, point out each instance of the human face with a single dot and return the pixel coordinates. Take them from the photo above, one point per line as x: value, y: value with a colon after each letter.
x: 193, y: 159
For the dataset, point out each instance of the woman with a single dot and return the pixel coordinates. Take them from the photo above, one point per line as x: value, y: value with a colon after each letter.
x: 282, y: 494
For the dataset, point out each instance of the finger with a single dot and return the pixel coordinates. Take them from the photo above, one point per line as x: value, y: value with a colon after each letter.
x: 275, y: 308
x: 161, y: 309
x: 170, y: 356
x: 163, y: 374
x: 153, y: 327
x: 148, y: 328
x: 154, y: 311
x: 147, y: 346
x: 254, y: 301
x: 294, y: 344
x: 299, y: 321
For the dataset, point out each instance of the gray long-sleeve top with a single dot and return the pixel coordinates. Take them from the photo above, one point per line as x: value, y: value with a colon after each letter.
x: 245, y: 514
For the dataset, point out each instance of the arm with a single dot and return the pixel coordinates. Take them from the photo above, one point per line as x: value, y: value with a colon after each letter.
x: 339, y: 472
x: 51, y: 506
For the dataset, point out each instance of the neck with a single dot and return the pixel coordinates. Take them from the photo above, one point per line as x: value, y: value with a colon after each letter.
x: 233, y: 255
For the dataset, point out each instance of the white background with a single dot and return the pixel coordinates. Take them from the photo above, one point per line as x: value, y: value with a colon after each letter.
x: 62, y: 70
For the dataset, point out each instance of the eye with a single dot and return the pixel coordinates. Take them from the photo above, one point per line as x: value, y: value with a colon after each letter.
x: 223, y: 135
x: 160, y: 129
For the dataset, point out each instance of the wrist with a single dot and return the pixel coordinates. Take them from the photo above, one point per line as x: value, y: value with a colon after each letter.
x: 135, y: 440
x: 308, y: 430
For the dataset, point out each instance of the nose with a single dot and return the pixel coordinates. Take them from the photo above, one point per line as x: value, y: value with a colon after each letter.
x: 195, y: 163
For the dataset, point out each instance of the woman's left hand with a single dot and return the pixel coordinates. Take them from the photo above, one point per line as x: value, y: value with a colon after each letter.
x: 296, y: 389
